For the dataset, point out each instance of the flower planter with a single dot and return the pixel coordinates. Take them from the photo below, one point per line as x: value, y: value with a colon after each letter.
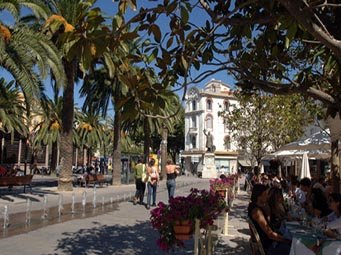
x: 183, y: 230
x: 221, y: 193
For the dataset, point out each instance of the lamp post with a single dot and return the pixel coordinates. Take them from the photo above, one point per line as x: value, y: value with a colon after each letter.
x: 26, y: 154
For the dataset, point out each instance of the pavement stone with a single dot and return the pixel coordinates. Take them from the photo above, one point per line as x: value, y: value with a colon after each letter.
x: 120, y: 228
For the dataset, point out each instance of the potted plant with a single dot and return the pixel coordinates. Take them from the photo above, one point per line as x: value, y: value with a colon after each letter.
x: 219, y: 184
x: 181, y: 213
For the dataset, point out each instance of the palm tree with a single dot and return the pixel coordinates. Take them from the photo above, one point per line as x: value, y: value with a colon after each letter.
x: 12, y: 112
x: 82, y: 40
x: 27, y: 54
x: 48, y: 130
x: 100, y: 90
x: 12, y: 109
x: 109, y: 84
x: 14, y: 7
x: 90, y: 129
x: 157, y: 117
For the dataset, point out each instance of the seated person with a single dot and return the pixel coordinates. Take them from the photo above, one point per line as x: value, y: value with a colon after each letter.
x: 278, y: 211
x: 334, y: 226
x: 319, y: 203
x: 302, y: 192
x: 272, y: 242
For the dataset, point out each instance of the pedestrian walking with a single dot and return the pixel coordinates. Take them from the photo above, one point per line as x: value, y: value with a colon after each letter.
x: 153, y: 179
x: 139, y: 169
x: 172, y: 171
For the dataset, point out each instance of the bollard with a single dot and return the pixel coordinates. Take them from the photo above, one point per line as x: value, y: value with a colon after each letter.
x: 73, y: 203
x: 226, y: 216
x: 60, y: 205
x: 44, y: 216
x: 28, y: 212
x: 6, y: 217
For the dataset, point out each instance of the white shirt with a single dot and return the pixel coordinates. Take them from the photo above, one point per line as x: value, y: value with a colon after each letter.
x: 300, y: 196
x: 335, y: 224
x: 332, y: 216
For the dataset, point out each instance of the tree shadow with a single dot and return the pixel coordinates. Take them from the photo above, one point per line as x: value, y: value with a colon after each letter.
x: 139, y: 239
x: 17, y: 193
x: 244, y: 231
x: 235, y: 246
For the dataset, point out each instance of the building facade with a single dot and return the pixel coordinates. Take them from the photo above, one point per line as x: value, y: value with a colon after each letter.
x: 202, y: 107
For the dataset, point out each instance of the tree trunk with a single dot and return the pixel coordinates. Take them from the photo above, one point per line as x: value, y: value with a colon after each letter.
x: 164, y: 152
x: 66, y: 149
x: 335, y: 133
x: 117, y: 168
x: 54, y: 155
x: 65, y: 176
x: 147, y: 139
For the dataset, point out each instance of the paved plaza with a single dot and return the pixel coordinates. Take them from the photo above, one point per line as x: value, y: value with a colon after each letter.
x: 114, y: 226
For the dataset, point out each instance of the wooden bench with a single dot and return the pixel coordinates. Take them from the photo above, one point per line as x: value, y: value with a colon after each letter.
x: 11, y: 181
x: 255, y: 242
x: 94, y: 179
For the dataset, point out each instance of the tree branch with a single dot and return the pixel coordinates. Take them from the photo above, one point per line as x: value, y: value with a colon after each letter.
x: 289, y: 88
x: 306, y: 19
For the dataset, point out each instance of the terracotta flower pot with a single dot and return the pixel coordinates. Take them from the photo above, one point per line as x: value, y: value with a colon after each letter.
x: 221, y: 193
x: 182, y: 230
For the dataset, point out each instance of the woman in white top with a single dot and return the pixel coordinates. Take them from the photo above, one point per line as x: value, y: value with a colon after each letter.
x: 334, y: 227
x: 153, y: 178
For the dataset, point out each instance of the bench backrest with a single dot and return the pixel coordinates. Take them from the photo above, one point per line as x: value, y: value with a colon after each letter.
x: 255, y: 239
x: 16, y: 180
x: 97, y: 177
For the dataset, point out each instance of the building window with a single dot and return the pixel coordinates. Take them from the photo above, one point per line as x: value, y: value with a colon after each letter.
x: 194, y: 142
x: 194, y: 122
x: 194, y: 105
x: 209, y: 122
x: 209, y: 104
x: 226, y: 105
x: 227, y: 143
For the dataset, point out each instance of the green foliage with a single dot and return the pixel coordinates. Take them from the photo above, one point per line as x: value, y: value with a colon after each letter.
x: 263, y: 123
x: 12, y: 109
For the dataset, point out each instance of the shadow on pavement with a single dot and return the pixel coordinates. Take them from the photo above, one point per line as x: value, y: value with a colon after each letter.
x: 115, y: 239
x: 237, y: 246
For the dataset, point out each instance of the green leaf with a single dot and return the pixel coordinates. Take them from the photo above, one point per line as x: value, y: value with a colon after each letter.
x: 290, y: 34
x: 170, y: 8
x: 156, y: 32
x: 170, y: 42
x: 117, y: 21
x: 184, y: 15
x: 247, y: 31
x: 184, y: 62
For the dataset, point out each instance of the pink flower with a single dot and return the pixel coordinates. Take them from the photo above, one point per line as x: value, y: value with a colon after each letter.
x: 199, y: 204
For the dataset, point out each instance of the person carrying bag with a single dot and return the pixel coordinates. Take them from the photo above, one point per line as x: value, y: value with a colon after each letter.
x: 140, y: 179
x: 153, y: 178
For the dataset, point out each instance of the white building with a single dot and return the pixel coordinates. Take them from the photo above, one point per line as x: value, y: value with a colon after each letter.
x: 201, y: 113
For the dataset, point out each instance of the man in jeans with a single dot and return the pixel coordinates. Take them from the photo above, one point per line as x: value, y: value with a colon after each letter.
x: 140, y: 185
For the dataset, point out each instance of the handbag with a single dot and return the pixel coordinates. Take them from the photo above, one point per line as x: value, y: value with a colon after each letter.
x: 144, y: 174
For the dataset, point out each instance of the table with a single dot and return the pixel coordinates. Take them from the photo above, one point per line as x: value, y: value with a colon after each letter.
x: 305, y: 239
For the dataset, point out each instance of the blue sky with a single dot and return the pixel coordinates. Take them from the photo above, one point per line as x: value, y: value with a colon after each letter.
x: 109, y: 8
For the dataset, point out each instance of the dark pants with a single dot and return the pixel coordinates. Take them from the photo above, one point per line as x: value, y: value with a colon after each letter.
x: 171, y: 184
x: 151, y: 193
x: 140, y: 188
x: 278, y: 249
